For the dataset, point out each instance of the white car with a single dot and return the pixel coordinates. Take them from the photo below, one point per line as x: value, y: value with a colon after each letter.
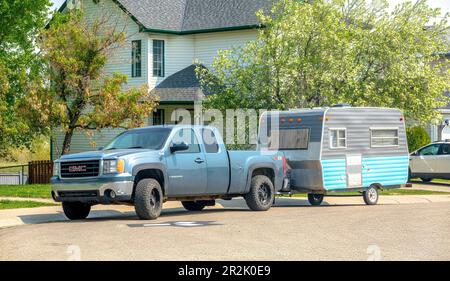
x: 431, y: 162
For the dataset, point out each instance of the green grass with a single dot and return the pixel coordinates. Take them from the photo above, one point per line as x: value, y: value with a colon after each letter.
x: 26, y: 191
x: 8, y: 204
x: 388, y: 192
x: 435, y: 181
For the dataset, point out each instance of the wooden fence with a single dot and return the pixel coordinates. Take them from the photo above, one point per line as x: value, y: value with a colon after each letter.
x: 40, y: 172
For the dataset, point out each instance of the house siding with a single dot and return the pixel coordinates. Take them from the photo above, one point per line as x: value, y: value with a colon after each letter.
x: 181, y: 51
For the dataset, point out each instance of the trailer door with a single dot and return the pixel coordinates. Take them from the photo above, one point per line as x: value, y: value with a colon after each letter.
x: 354, y: 171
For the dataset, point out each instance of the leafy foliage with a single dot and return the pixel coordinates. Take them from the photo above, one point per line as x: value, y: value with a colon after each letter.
x: 336, y: 51
x: 417, y: 138
x: 20, y: 22
x: 80, y: 96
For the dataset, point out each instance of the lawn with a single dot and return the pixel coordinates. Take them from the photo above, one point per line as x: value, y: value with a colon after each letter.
x: 435, y: 181
x: 8, y: 204
x: 26, y: 191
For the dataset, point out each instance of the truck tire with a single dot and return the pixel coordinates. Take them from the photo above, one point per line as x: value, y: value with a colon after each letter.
x: 148, y: 199
x: 371, y: 195
x: 315, y: 199
x: 261, y: 195
x: 194, y: 206
x: 76, y: 210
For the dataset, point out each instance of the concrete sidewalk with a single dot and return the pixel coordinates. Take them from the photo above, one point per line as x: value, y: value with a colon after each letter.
x: 40, y: 200
x: 17, y: 217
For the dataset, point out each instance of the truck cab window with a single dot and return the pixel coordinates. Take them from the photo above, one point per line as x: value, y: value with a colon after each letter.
x: 187, y: 136
x: 210, y: 141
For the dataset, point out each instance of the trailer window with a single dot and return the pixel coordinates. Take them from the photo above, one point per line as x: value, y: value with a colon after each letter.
x: 290, y: 139
x: 384, y: 137
x: 338, y: 138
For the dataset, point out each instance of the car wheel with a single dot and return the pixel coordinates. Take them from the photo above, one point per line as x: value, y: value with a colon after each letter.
x: 426, y: 179
x: 371, y: 195
x: 315, y: 199
x: 76, y: 210
x: 148, y: 199
x: 261, y: 195
x: 193, y: 206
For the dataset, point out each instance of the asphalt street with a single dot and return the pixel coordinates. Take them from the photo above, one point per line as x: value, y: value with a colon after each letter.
x: 290, y: 231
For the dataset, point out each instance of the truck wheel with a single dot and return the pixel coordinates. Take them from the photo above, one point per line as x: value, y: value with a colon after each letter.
x: 261, y: 195
x: 371, y: 196
x: 315, y: 199
x: 193, y: 206
x: 76, y: 210
x: 148, y: 199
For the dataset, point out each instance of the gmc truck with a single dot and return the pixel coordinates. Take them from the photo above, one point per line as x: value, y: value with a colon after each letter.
x: 146, y: 167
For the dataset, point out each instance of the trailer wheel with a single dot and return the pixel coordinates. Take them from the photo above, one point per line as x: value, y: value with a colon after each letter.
x: 315, y: 199
x: 148, y: 199
x: 76, y: 210
x: 261, y: 195
x: 193, y: 206
x: 371, y: 195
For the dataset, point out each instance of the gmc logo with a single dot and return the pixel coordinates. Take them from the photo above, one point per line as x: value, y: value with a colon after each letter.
x: 77, y: 169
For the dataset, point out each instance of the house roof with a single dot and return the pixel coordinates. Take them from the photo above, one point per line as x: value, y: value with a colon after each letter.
x: 193, y: 16
x: 181, y: 86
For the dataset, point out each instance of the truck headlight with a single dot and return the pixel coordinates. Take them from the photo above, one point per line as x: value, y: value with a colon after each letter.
x: 56, y: 169
x: 113, y: 166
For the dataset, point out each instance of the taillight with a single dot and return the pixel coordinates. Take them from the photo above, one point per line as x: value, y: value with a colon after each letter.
x: 284, y: 165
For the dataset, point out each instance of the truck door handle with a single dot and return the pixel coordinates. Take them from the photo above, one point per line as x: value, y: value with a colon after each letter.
x: 199, y: 161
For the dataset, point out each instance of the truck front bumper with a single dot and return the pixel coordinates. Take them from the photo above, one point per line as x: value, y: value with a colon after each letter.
x: 94, y: 191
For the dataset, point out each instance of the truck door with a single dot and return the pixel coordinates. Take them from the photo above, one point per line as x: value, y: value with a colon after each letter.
x: 425, y: 160
x: 354, y: 169
x: 218, y: 167
x: 186, y: 170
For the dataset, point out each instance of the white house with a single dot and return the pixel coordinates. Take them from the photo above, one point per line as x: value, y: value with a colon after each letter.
x: 164, y: 40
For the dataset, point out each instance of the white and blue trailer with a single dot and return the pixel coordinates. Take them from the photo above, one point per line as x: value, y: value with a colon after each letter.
x: 339, y: 149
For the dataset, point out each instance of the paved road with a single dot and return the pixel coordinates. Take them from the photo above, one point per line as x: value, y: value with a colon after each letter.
x: 290, y: 231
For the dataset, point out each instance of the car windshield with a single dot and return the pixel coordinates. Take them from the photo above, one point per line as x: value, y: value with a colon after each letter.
x: 152, y: 138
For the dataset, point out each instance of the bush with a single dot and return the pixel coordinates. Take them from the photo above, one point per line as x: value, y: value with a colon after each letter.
x: 417, y: 137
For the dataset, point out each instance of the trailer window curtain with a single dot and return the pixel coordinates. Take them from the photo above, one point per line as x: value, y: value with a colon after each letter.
x: 290, y: 139
x: 338, y: 138
x: 384, y: 137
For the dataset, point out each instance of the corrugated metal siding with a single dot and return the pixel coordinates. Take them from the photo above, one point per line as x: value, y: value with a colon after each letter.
x: 358, y: 122
x: 385, y: 170
x: 334, y: 174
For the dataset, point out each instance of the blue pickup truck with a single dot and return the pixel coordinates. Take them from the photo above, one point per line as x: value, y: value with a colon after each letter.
x: 149, y: 166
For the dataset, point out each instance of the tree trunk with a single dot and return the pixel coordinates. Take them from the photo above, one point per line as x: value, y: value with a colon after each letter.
x: 67, y: 141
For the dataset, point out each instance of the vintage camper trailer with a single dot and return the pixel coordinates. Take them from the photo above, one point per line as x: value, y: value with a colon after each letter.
x: 339, y: 149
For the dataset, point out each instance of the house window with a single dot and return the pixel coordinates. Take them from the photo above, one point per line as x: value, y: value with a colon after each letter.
x: 384, y: 137
x: 158, y: 117
x: 136, y: 58
x: 158, y: 58
x: 338, y: 138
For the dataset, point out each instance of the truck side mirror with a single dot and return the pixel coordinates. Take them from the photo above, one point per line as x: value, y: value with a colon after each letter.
x: 179, y: 147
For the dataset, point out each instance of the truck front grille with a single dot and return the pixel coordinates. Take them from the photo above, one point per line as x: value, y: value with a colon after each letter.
x: 80, y: 169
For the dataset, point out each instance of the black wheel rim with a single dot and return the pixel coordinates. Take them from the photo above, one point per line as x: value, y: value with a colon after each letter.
x: 154, y: 199
x: 316, y: 197
x: 264, y: 194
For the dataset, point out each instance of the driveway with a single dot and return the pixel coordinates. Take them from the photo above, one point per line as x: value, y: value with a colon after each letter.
x: 340, y: 230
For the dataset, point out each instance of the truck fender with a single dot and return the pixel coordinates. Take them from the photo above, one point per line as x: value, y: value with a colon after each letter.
x: 153, y: 166
x: 256, y: 166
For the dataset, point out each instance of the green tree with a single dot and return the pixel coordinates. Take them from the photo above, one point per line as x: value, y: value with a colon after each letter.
x: 80, y: 96
x: 338, y: 51
x: 20, y: 22
x: 417, y: 137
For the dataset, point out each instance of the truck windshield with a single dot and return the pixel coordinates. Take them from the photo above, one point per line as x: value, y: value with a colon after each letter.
x: 152, y: 138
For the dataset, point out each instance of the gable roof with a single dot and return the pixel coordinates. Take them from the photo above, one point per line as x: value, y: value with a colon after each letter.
x: 185, y: 78
x: 193, y: 16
